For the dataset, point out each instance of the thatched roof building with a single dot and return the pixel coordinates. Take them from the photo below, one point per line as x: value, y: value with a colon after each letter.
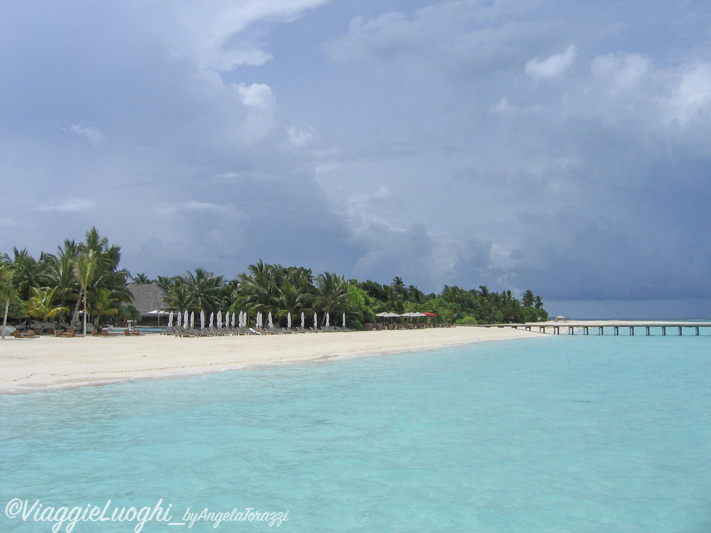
x: 147, y: 297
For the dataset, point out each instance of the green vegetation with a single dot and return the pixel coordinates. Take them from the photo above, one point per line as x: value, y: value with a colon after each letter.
x: 86, y: 277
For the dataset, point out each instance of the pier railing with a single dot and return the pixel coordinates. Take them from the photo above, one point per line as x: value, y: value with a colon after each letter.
x: 608, y: 327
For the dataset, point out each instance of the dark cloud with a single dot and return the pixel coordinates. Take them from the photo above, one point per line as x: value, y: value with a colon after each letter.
x: 561, y: 147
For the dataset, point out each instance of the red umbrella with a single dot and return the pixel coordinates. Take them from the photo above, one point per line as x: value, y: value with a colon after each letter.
x: 429, y: 314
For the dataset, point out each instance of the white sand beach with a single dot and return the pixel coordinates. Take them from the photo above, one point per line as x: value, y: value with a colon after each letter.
x: 48, y: 362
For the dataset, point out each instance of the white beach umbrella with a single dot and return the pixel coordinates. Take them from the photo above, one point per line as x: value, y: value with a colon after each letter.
x: 328, y: 318
x: 202, y: 319
x: 316, y: 320
x: 258, y: 320
x: 234, y: 319
x: 344, y: 320
x: 192, y: 319
x: 302, y: 320
x: 185, y: 318
x: 219, y: 319
x: 170, y: 319
x: 269, y: 320
x: 288, y: 320
x: 241, y: 320
x: 212, y: 319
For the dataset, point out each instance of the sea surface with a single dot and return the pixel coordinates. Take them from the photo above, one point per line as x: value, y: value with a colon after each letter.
x: 559, y: 434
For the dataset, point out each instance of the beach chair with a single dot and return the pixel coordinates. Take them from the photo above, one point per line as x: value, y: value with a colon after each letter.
x: 104, y: 332
x: 17, y: 334
x: 136, y: 331
x: 127, y: 332
x: 58, y: 333
x: 69, y: 333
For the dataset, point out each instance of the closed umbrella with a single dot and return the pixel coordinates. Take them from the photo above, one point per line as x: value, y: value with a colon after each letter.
x: 344, y: 320
x: 269, y: 320
x: 328, y: 316
x: 202, y: 319
x: 192, y: 319
x: 185, y: 319
x: 219, y: 319
x: 212, y: 320
x: 288, y: 320
x: 170, y: 319
x: 316, y: 320
x: 302, y: 320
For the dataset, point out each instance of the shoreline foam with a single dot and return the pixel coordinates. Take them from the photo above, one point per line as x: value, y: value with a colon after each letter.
x: 44, y: 363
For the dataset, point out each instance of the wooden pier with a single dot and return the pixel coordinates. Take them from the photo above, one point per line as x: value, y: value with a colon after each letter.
x: 611, y: 327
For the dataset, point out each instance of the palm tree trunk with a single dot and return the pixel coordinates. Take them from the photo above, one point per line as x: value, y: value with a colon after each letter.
x: 84, y: 316
x: 76, y: 310
x: 4, y: 318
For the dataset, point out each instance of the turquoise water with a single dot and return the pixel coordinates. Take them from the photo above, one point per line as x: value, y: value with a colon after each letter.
x: 585, y: 434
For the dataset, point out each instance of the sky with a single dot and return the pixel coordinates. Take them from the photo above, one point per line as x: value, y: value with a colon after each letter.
x: 560, y: 146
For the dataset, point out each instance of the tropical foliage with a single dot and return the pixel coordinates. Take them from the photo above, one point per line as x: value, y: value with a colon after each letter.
x: 84, y: 278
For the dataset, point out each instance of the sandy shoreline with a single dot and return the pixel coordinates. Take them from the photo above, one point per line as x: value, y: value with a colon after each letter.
x: 47, y: 362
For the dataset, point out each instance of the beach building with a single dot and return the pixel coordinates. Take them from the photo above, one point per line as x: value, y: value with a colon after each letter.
x: 148, y: 298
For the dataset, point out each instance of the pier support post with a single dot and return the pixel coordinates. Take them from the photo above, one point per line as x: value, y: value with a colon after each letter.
x: 646, y: 330
x: 571, y: 330
x: 586, y: 330
x: 600, y: 330
x: 664, y: 330
x: 697, y: 330
x: 679, y: 331
x: 617, y: 330
x: 632, y: 331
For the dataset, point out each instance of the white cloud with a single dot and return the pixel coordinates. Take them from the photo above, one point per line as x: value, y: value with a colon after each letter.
x: 552, y: 67
x: 68, y: 205
x: 90, y: 133
x: 196, y: 207
x: 620, y: 72
x: 211, y: 30
x: 301, y: 137
x: 692, y: 96
x: 257, y: 95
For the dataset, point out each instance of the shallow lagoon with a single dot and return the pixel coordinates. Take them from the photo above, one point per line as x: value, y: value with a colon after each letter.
x: 556, y: 434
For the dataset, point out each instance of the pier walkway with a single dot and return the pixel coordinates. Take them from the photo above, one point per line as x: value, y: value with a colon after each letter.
x: 601, y: 327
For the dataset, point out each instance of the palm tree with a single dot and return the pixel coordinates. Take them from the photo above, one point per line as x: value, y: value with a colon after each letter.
x: 103, y: 303
x: 85, y: 270
x: 40, y: 305
x: 6, y: 289
x: 61, y: 273
x: 141, y: 279
x: 107, y: 258
x: 179, y: 298
x: 29, y: 272
x: 331, y: 294
x: 204, y: 288
x: 528, y: 299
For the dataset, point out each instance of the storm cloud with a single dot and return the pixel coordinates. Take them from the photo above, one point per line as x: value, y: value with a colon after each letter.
x: 554, y: 146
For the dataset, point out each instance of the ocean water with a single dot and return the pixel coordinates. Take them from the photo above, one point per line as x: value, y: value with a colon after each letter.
x: 559, y: 434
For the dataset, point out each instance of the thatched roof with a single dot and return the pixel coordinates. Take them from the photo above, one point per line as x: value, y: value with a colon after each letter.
x: 147, y: 297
